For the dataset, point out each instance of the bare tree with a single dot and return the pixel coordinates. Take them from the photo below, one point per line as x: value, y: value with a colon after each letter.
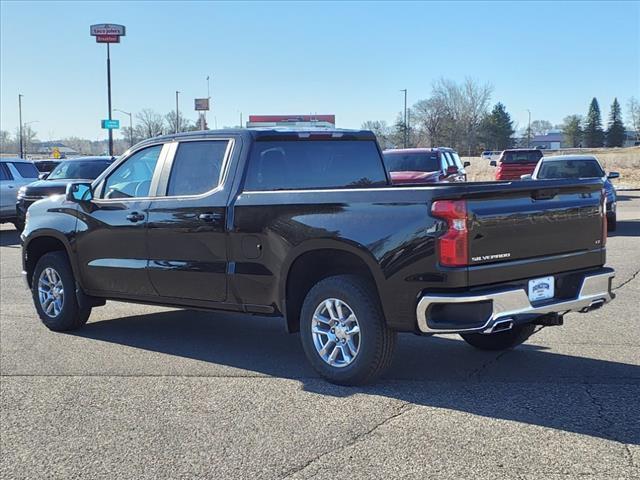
x: 150, y: 124
x: 381, y: 131
x: 634, y: 115
x: 430, y: 116
x: 184, y: 125
x: 7, y: 145
x: 541, y: 127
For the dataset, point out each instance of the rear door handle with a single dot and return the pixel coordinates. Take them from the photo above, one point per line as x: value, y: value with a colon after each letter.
x: 544, y: 194
x: 135, y: 217
x: 210, y: 217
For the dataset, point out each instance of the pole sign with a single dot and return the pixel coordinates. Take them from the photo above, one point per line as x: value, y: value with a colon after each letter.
x: 110, y: 124
x: 107, y: 32
x: 202, y: 104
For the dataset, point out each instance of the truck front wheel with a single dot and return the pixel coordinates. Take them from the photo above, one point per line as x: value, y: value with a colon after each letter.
x: 500, y: 340
x: 343, y: 331
x: 54, y: 294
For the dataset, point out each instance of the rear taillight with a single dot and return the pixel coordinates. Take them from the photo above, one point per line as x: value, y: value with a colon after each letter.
x: 453, y: 246
x: 604, y: 217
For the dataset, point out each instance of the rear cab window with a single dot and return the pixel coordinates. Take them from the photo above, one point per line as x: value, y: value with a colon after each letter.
x: 198, y: 167
x: 26, y: 170
x: 314, y: 164
x: 524, y: 156
x: 411, y: 162
x: 4, y: 172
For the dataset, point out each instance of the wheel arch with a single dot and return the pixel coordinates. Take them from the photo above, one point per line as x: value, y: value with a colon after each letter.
x: 314, y: 260
x: 44, y: 242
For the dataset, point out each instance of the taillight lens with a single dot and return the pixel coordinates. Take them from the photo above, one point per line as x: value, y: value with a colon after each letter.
x: 453, y: 245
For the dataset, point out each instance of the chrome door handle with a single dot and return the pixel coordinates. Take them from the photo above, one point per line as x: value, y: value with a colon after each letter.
x: 135, y: 217
x: 210, y: 217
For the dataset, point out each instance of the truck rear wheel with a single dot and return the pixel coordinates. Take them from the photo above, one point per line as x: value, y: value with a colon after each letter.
x: 54, y: 294
x: 500, y: 340
x: 343, y: 331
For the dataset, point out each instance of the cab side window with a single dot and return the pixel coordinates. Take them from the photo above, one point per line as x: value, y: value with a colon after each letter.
x: 4, y: 173
x: 197, y: 167
x: 133, y: 177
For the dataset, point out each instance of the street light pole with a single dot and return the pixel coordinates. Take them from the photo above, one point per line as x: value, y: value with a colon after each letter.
x: 20, y: 128
x: 109, y: 98
x: 529, y: 130
x: 405, y: 117
x: 177, y: 113
x: 130, y: 125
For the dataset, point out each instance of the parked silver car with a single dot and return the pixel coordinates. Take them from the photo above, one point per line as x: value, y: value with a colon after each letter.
x: 14, y: 173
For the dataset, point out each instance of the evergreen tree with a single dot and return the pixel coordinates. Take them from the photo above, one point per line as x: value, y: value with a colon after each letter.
x: 496, y: 130
x: 593, y: 133
x: 615, y: 132
x: 572, y: 130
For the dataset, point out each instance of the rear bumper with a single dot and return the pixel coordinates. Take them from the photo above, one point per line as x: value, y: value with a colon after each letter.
x: 513, y: 303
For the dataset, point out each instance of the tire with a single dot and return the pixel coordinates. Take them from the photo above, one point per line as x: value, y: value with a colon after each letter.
x: 375, y: 341
x: 612, y: 222
x: 63, y: 315
x: 501, y: 340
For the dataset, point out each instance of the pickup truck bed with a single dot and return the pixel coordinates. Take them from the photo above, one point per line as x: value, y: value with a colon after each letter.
x: 306, y: 225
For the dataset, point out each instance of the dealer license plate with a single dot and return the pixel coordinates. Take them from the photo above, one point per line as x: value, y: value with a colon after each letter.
x: 541, y: 289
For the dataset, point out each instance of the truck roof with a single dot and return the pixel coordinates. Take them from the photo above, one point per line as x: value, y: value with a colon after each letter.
x: 268, y: 133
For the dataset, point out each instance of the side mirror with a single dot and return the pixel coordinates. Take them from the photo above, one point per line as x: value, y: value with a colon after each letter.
x: 466, y: 164
x: 613, y: 175
x: 43, y: 176
x: 493, y: 163
x: 526, y: 177
x: 79, y: 192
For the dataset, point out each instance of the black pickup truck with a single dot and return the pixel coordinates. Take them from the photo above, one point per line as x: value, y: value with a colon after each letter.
x: 306, y: 225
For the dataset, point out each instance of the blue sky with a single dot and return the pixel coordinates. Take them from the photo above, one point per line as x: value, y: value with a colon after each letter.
x: 347, y: 58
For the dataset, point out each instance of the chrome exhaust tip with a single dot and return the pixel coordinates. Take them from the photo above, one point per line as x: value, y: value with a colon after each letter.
x: 499, y: 326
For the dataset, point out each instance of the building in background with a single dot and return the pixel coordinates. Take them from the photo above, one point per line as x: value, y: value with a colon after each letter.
x: 553, y: 140
x: 293, y: 121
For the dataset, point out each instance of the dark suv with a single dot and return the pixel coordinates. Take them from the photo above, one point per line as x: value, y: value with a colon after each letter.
x: 55, y: 182
x: 424, y: 165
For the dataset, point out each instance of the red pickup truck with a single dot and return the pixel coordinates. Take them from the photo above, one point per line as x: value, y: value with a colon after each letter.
x: 514, y: 163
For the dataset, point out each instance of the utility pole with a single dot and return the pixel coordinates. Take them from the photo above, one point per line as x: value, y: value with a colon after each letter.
x: 130, y: 125
x: 405, y: 117
x: 529, y: 130
x: 240, y: 119
x: 177, y: 113
x: 109, y: 98
x: 20, y: 128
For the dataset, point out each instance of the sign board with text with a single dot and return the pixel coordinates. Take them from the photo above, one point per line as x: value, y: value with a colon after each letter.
x: 202, y: 104
x: 107, y: 32
x: 110, y: 124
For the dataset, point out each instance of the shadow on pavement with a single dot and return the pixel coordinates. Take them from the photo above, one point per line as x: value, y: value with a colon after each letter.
x: 626, y: 228
x: 9, y: 237
x: 528, y: 385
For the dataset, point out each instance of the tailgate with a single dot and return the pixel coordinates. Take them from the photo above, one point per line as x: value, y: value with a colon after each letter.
x: 535, y: 219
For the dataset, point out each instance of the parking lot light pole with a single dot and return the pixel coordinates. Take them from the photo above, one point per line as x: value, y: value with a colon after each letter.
x: 177, y: 113
x: 529, y: 130
x: 405, y: 117
x: 20, y: 127
x: 109, y: 98
x: 130, y: 125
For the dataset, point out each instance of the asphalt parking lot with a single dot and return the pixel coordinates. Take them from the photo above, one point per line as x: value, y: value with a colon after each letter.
x: 147, y: 392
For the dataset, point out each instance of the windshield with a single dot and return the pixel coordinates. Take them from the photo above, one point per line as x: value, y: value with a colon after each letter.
x: 412, y: 162
x: 72, y: 169
x: 570, y: 169
x: 527, y: 156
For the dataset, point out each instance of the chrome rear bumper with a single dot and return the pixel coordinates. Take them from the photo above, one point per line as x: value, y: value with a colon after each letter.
x: 594, y: 292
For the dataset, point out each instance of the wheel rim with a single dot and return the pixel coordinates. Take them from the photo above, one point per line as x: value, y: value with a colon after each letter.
x: 50, y: 292
x: 336, y: 332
